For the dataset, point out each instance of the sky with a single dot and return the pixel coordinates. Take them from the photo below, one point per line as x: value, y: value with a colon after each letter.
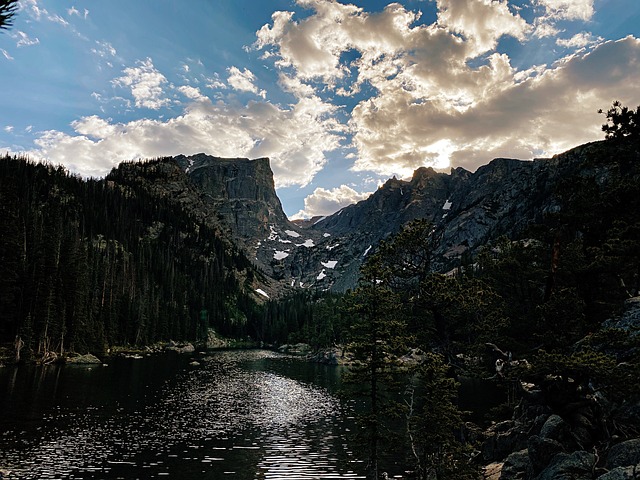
x: 339, y: 95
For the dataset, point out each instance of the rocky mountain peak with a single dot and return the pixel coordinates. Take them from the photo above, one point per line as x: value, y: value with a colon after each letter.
x: 240, y: 190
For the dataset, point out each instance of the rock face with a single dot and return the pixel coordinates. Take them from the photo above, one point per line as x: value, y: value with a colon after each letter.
x: 240, y: 190
x: 467, y: 209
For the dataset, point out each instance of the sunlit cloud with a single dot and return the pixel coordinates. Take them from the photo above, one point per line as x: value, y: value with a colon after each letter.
x: 244, y: 81
x: 146, y: 85
x: 386, y: 92
x: 324, y: 202
x: 295, y: 138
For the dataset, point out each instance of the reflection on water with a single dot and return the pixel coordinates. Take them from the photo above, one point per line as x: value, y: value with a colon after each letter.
x: 240, y: 414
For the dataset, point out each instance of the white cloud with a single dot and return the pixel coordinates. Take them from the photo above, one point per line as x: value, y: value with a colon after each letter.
x: 324, y: 202
x: 73, y: 11
x: 579, y: 40
x: 191, y: 92
x: 294, y: 138
x: 8, y: 128
x: 6, y: 54
x: 558, y: 10
x: 244, y: 81
x: 24, y: 40
x: 214, y: 82
x: 568, y: 9
x: 482, y: 22
x: 431, y: 105
x: 146, y: 85
x: 104, y: 50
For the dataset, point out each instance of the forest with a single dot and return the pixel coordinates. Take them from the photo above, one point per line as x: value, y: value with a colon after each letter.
x: 88, y: 264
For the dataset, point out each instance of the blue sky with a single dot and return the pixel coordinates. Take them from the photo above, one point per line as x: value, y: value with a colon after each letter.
x: 339, y: 95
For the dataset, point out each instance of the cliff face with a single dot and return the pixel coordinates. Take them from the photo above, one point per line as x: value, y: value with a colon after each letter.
x: 240, y: 190
x: 468, y: 210
x: 504, y: 197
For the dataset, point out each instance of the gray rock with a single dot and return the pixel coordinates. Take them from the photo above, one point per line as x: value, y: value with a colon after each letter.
x: 502, y: 439
x: 555, y: 428
x: 541, y: 451
x: 517, y: 466
x: 575, y: 466
x: 622, y: 473
x: 630, y: 318
x: 624, y: 454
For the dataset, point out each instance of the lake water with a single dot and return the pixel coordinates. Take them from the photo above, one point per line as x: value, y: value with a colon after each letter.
x: 247, y: 414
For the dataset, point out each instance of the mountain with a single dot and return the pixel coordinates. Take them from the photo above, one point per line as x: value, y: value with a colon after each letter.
x: 164, y: 248
x: 468, y: 210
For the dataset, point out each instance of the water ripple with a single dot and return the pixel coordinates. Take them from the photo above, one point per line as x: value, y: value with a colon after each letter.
x: 235, y: 416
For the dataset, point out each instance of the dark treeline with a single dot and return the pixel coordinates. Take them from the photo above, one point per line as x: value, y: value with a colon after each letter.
x: 85, y: 264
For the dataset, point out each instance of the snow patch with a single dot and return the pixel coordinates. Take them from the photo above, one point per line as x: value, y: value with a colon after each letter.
x: 319, y: 220
x: 321, y: 275
x: 330, y: 264
x: 325, y: 235
x: 279, y: 255
x: 366, y: 251
x: 284, y: 241
x: 291, y: 233
x: 331, y: 247
x: 273, y: 235
x: 447, y: 205
x: 186, y: 170
x: 262, y: 292
x: 308, y: 243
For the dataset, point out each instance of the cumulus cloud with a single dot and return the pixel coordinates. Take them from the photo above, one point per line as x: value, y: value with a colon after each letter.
x: 558, y: 10
x: 431, y: 105
x: 422, y: 94
x: 323, y: 202
x: 244, y: 81
x: 191, y: 92
x: 146, y: 84
x: 295, y: 138
x: 568, y: 9
x: 482, y: 22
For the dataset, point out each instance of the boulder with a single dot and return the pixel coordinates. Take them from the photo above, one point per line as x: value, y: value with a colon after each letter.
x: 87, y: 359
x: 622, y: 473
x: 624, y: 454
x: 175, y: 347
x: 575, y: 466
x: 492, y: 471
x: 541, y: 451
x: 554, y: 428
x: 630, y: 318
x: 517, y: 466
x: 502, y: 439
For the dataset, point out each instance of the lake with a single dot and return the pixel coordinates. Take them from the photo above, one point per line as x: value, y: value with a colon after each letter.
x: 241, y: 414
